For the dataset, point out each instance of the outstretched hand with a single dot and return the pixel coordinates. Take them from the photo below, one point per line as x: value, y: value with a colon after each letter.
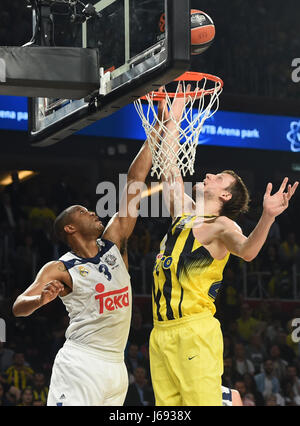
x: 179, y: 103
x: 277, y: 203
x: 176, y: 108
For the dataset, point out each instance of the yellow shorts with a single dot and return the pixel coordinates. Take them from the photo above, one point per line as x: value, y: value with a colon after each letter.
x: 186, y: 360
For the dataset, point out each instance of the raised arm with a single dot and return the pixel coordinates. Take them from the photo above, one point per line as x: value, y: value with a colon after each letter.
x: 177, y: 201
x: 121, y: 225
x: 51, y: 281
x: 273, y: 206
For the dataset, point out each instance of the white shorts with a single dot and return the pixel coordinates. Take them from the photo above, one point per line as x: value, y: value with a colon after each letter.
x: 81, y: 377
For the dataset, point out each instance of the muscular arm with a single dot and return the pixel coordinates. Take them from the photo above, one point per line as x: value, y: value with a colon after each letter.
x: 238, y: 244
x: 121, y: 225
x: 49, y: 283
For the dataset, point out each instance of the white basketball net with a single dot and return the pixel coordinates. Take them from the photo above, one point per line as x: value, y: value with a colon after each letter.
x: 178, y: 157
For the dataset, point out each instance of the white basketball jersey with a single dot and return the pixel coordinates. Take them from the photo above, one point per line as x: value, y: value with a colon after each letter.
x: 99, y: 305
x: 226, y: 397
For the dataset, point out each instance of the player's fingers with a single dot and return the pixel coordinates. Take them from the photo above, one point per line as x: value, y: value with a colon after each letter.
x: 269, y: 189
x: 162, y: 109
x: 285, y: 199
x: 160, y: 106
x: 293, y: 188
x: 56, y: 286
x: 179, y: 88
x: 52, y: 289
x: 46, y: 292
x: 289, y: 192
x: 283, y: 185
x: 50, y: 293
x: 161, y: 101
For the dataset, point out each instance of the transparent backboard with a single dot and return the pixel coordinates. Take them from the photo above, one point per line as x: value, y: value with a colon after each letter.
x: 142, y: 44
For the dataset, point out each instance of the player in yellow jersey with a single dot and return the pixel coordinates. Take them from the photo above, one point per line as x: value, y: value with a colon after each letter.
x: 186, y: 343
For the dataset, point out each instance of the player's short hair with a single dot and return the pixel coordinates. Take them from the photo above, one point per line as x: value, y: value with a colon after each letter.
x: 239, y: 202
x: 60, y: 222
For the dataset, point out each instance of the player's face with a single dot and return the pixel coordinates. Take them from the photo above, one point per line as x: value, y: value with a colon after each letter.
x: 214, y: 185
x: 86, y: 222
x: 218, y: 182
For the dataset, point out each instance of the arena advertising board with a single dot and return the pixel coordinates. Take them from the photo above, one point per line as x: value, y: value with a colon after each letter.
x: 231, y: 129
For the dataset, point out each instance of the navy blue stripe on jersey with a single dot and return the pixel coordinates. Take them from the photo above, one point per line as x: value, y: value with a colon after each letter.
x: 95, y: 260
x: 156, y: 299
x: 180, y: 303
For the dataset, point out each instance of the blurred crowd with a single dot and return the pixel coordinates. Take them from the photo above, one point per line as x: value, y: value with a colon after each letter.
x: 261, y: 359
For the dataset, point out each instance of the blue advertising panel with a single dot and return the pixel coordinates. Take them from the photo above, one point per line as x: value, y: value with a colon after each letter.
x: 13, y: 113
x: 231, y: 129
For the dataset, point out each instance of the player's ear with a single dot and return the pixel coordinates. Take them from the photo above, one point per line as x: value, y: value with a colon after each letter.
x: 69, y: 229
x: 226, y: 196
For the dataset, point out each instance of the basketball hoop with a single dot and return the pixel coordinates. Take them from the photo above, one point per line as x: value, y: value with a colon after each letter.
x: 201, y: 102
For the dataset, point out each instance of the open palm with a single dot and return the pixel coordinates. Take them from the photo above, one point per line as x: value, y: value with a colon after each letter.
x: 275, y: 204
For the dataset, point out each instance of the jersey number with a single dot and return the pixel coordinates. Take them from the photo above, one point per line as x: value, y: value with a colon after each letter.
x: 166, y: 262
x: 104, y: 269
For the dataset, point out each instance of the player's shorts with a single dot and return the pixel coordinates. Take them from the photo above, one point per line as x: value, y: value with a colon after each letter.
x: 186, y: 360
x: 82, y: 377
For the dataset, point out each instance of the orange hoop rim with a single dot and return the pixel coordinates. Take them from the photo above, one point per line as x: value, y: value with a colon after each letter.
x: 189, y: 76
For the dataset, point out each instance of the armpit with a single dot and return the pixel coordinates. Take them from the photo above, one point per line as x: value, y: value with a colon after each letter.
x: 65, y: 277
x: 123, y: 246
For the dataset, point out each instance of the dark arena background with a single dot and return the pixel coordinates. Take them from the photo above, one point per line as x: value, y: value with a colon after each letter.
x: 256, y: 132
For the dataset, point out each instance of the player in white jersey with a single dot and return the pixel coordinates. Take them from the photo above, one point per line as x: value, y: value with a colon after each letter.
x: 231, y: 397
x: 93, y: 283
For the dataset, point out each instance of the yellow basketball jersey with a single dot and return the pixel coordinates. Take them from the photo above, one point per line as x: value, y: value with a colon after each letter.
x: 186, y: 277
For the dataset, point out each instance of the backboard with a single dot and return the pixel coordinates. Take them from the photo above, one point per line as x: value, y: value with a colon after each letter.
x: 142, y: 45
